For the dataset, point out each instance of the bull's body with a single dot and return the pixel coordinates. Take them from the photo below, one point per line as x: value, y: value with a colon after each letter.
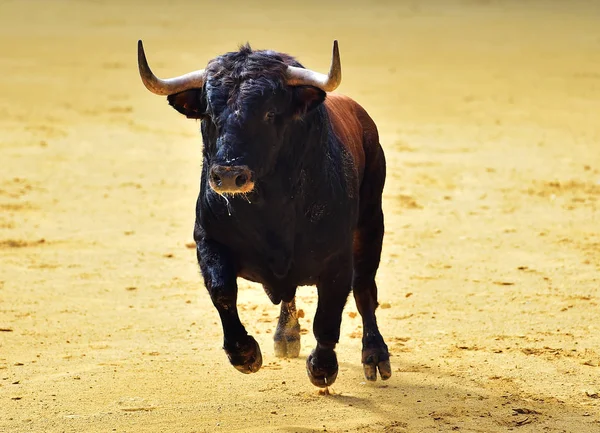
x: 307, y: 209
x: 312, y: 217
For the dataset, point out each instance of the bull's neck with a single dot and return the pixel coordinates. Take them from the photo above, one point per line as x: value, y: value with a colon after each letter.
x: 306, y: 148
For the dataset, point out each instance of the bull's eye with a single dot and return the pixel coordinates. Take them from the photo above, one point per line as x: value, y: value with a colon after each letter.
x: 270, y: 116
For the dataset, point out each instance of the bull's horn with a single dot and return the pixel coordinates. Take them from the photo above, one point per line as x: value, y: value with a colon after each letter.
x: 169, y: 86
x: 328, y: 83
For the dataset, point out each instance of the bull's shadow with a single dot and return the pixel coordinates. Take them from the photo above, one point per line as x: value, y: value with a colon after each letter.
x: 421, y: 397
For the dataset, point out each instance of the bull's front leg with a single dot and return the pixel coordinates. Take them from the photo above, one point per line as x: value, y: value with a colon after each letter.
x: 219, y: 273
x: 333, y: 288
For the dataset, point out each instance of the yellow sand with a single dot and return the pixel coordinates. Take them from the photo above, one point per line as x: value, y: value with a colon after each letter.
x: 489, y: 112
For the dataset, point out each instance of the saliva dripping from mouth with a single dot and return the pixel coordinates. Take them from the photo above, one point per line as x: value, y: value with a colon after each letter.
x: 228, y: 203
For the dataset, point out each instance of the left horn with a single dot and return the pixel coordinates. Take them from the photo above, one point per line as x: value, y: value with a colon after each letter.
x: 169, y: 86
x: 300, y: 76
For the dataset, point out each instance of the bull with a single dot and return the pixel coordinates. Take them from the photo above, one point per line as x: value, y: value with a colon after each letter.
x: 290, y: 195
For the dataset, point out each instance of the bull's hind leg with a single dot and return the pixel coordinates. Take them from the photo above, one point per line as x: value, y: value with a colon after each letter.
x: 368, y: 239
x: 367, y: 250
x: 220, y: 279
x: 287, y: 334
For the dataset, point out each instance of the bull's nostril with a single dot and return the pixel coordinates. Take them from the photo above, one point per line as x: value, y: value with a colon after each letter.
x: 216, y: 179
x: 241, y: 180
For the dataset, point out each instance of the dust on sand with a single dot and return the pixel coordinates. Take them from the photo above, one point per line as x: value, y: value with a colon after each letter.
x: 489, y: 114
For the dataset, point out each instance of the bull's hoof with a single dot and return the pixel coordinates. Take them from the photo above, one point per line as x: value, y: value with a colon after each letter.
x: 245, y: 355
x: 322, y: 367
x: 287, y: 346
x: 376, y: 359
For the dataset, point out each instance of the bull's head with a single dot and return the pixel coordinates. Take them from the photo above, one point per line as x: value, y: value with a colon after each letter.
x: 246, y: 101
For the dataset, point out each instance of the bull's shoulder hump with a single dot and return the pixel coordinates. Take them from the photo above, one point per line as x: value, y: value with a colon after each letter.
x: 345, y: 117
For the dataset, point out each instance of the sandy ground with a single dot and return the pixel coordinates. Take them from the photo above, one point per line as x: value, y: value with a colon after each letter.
x: 489, y: 112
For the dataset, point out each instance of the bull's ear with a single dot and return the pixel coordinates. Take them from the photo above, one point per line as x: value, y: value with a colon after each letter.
x: 190, y: 103
x: 306, y: 98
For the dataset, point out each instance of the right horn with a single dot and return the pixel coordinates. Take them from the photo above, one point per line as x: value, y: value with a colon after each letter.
x: 300, y: 76
x: 169, y: 86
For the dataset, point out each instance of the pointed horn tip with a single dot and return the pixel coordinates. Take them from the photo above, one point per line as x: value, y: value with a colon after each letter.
x: 336, y: 56
x: 142, y: 62
x: 140, y: 47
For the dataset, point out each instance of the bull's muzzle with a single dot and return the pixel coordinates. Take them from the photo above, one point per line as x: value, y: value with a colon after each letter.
x: 225, y: 179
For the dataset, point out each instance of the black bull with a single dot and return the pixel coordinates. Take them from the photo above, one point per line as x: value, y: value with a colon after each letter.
x: 290, y: 195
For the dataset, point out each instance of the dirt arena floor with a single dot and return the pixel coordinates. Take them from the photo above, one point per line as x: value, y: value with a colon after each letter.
x: 489, y: 113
